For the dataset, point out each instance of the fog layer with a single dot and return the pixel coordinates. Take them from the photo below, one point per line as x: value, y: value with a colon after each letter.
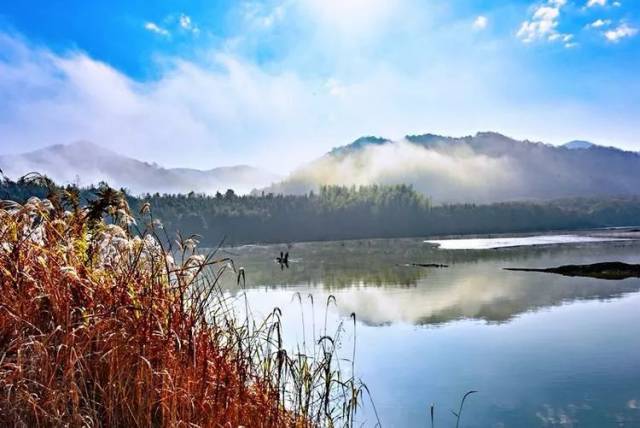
x: 487, y: 167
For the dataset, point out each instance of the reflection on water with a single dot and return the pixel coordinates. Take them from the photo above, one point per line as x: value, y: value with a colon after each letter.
x: 543, y: 350
x: 375, y: 280
x: 491, y: 243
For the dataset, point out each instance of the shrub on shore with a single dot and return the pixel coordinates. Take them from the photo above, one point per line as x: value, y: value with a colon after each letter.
x: 106, y: 323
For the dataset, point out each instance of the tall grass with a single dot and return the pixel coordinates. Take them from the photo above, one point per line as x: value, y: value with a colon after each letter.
x: 105, y: 322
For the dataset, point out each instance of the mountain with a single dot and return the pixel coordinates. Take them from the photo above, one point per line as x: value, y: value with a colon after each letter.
x: 486, y: 167
x: 89, y: 163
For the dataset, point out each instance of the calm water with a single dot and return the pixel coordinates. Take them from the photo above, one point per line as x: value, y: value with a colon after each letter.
x: 493, y: 243
x: 542, y: 350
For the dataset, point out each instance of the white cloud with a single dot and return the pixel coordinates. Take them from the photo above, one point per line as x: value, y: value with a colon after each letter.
x: 322, y: 90
x: 543, y: 23
x: 617, y: 4
x: 592, y: 3
x: 620, y: 32
x: 599, y: 23
x: 187, y: 116
x: 187, y: 24
x: 155, y: 28
x: 560, y: 37
x: 226, y: 110
x: 480, y: 23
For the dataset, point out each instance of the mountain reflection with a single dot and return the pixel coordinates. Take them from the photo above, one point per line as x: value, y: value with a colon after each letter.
x: 373, y: 278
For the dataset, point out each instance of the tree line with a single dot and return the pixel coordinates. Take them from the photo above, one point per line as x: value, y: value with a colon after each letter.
x: 336, y: 212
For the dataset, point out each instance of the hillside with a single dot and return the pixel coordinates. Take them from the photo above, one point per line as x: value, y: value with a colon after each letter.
x: 486, y: 167
x: 86, y: 163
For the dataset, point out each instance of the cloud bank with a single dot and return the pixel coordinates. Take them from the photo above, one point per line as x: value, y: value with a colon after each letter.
x: 458, y: 174
x: 302, y: 77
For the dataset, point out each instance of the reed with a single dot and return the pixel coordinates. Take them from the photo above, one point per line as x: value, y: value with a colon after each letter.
x: 105, y: 321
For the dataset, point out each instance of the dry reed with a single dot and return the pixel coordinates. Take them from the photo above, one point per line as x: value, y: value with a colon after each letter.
x: 106, y: 323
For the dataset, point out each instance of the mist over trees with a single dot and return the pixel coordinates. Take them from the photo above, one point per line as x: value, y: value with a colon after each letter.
x: 373, y: 212
x: 336, y: 212
x: 483, y: 168
x: 332, y: 213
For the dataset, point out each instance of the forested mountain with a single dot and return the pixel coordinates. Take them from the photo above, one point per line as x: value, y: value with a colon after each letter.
x: 486, y: 167
x: 88, y: 163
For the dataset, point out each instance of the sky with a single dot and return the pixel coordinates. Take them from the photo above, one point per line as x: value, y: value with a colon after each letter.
x: 277, y: 83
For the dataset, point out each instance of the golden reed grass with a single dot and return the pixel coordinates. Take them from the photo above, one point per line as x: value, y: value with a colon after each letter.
x: 102, y: 323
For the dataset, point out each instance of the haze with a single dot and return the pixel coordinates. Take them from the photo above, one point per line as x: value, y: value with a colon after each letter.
x: 277, y: 83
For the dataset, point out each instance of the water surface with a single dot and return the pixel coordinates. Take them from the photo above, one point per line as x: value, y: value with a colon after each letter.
x: 518, y: 241
x: 541, y: 349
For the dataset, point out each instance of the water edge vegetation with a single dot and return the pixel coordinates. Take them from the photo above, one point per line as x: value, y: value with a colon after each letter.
x: 104, y: 321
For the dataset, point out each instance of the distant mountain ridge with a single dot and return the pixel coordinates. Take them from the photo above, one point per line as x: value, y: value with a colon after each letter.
x: 90, y: 163
x: 486, y: 167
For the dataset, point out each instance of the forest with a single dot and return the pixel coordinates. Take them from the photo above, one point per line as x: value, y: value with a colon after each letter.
x: 335, y: 213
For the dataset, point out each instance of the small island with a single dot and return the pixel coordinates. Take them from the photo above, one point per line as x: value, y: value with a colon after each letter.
x: 608, y: 270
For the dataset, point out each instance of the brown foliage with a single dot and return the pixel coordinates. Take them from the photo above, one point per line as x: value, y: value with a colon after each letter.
x: 99, y: 327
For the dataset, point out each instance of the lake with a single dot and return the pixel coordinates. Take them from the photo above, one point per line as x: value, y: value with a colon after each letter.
x: 541, y: 349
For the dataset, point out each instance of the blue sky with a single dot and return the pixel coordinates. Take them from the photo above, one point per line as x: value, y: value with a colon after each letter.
x: 276, y: 83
